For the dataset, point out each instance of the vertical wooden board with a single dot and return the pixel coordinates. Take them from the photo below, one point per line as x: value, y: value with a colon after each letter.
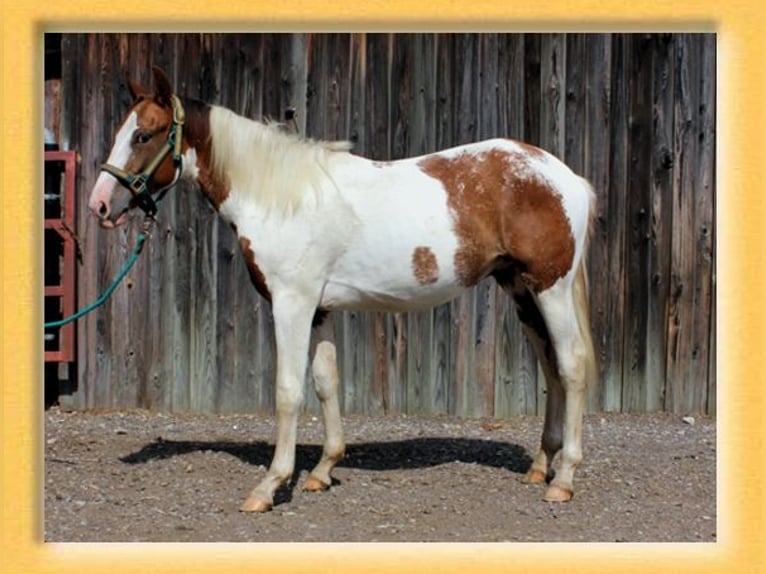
x: 574, y: 97
x: 422, y: 99
x: 401, y: 94
x: 294, y: 79
x: 443, y: 357
x: 463, y: 333
x: 681, y: 343
x: 399, y: 120
x: 357, y: 109
x: 532, y: 87
x: 397, y: 363
x: 553, y: 90
x: 639, y: 209
x: 612, y: 334
x: 596, y: 169
x: 421, y: 49
x: 355, y: 94
x: 201, y: 334
x: 250, y: 98
x: 417, y: 367
x: 486, y: 292
x: 166, y: 333
x: 73, y: 111
x: 552, y: 127
x: 709, y: 74
x: 576, y: 122
x: 377, y: 102
x: 271, y: 95
x: 377, y: 401
x: 511, y: 57
x: 515, y: 389
x: 704, y: 206
x: 376, y: 146
x: 255, y: 347
x: 203, y: 321
x: 445, y: 97
x: 228, y: 359
x: 264, y: 342
x: 263, y: 375
x: 116, y: 309
x: 660, y: 212
x: 129, y: 344
x: 328, y: 89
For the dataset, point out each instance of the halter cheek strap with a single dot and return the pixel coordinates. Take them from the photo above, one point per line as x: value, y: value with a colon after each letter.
x: 137, y: 184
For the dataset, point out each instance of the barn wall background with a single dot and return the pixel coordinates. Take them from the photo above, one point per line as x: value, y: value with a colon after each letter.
x: 633, y: 113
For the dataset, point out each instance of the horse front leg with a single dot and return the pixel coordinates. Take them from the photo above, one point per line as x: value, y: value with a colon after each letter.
x: 292, y: 325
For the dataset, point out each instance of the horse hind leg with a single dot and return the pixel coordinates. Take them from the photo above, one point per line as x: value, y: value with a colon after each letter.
x: 537, y: 333
x: 569, y: 334
x: 324, y: 371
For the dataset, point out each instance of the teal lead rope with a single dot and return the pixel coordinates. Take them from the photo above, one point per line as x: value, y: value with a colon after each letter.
x: 140, y: 240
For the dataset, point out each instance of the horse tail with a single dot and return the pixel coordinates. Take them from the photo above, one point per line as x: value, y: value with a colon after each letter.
x: 582, y: 292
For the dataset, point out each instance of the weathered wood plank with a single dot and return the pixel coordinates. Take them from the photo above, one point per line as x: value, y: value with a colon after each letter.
x: 681, y: 342
x: 552, y: 126
x: 612, y: 335
x: 596, y: 165
x: 658, y: 253
x: 704, y: 213
x: 639, y: 210
x: 466, y: 113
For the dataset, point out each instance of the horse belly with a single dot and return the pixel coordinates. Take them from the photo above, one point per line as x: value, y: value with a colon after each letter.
x: 396, y: 262
x: 386, y: 296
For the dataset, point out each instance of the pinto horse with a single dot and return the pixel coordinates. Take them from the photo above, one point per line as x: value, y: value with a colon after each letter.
x: 321, y: 229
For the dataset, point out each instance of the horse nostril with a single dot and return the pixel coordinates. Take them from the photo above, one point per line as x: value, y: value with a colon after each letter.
x: 103, y: 210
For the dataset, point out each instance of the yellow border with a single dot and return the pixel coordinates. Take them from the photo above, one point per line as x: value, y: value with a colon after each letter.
x: 740, y: 282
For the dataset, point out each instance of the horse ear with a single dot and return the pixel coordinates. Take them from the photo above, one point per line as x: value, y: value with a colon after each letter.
x: 162, y: 88
x: 136, y: 90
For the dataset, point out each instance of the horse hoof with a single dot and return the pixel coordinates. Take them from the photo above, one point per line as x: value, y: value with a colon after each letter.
x: 255, y: 504
x: 557, y: 494
x: 533, y: 476
x: 313, y: 484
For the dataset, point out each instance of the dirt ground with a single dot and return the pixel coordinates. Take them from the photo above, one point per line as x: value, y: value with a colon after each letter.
x: 140, y: 476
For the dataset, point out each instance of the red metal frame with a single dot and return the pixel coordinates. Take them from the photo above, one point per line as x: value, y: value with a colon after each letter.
x: 65, y: 227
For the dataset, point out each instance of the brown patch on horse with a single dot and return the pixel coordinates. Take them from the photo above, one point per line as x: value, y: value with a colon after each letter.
x: 424, y: 265
x: 256, y: 275
x: 197, y: 135
x: 503, y: 210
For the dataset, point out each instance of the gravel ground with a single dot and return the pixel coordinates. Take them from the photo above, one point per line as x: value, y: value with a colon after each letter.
x: 140, y: 476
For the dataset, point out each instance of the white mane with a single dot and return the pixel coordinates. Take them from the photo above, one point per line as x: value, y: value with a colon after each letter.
x: 277, y: 168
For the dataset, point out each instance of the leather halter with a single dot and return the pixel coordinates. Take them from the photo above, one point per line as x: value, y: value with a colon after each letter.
x: 137, y: 184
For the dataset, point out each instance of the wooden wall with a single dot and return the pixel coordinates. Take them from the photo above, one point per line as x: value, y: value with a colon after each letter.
x: 633, y: 113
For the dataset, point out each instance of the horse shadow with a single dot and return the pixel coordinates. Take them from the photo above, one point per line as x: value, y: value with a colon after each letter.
x: 406, y: 454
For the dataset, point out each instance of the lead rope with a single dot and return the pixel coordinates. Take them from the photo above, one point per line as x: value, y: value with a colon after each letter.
x: 144, y: 234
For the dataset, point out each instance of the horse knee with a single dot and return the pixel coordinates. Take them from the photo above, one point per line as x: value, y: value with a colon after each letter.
x: 325, y: 371
x: 289, y: 396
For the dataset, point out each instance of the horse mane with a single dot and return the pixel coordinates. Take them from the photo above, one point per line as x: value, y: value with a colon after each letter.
x: 262, y: 159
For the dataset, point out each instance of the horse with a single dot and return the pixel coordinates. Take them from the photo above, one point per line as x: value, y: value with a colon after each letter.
x: 322, y: 229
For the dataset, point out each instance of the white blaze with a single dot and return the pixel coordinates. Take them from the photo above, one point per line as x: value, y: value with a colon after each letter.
x: 102, y: 191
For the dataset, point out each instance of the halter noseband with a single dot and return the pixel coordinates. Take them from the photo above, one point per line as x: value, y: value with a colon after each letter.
x: 137, y: 184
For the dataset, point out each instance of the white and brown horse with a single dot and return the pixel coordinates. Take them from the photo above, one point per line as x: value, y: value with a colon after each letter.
x: 322, y: 229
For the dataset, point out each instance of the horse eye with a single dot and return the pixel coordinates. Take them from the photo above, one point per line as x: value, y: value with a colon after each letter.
x: 142, y: 137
